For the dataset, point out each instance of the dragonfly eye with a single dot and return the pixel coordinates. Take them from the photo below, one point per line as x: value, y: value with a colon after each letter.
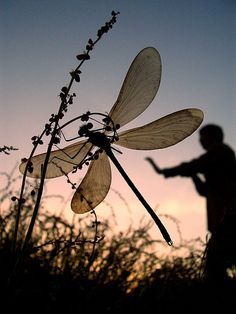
x: 89, y: 126
x: 107, y: 120
x: 84, y: 129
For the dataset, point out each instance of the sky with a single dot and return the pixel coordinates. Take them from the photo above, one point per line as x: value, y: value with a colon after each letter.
x: 196, y: 40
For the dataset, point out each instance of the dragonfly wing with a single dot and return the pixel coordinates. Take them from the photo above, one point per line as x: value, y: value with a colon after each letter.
x: 94, y: 186
x: 139, y: 87
x: 164, y: 132
x: 61, y: 161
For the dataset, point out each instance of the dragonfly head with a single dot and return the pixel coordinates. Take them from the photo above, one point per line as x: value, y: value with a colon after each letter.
x: 99, y: 129
x: 100, y: 140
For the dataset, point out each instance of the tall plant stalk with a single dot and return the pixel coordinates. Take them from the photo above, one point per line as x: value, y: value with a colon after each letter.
x: 52, y: 129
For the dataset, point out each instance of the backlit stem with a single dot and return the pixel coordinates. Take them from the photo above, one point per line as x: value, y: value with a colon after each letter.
x: 139, y: 196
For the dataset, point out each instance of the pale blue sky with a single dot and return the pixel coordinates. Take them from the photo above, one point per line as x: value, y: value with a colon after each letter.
x: 196, y: 40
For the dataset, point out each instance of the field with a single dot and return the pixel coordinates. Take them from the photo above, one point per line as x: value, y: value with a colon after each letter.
x: 82, y: 267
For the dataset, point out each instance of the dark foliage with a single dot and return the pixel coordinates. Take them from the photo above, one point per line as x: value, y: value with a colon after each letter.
x: 83, y: 267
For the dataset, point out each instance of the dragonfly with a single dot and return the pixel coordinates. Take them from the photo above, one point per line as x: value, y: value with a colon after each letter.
x: 137, y: 92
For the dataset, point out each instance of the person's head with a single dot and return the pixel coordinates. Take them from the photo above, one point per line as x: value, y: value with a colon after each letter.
x: 211, y: 134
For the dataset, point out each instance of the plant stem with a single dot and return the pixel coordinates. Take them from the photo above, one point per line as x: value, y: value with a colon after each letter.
x: 19, y: 206
x: 54, y: 134
x: 139, y: 196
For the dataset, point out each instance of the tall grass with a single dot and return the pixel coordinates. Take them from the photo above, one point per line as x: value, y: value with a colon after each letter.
x: 84, y: 266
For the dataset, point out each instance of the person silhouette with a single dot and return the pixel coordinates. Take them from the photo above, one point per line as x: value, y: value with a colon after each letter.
x: 217, y: 166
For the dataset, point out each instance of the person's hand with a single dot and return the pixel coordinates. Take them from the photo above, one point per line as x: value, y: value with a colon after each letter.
x: 158, y: 170
x: 149, y: 159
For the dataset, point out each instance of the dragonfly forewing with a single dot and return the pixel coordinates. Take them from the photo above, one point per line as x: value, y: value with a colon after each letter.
x: 94, y: 186
x: 164, y: 132
x: 139, y: 87
x: 61, y: 161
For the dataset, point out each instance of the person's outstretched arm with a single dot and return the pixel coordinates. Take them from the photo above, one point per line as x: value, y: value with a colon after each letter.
x: 183, y: 169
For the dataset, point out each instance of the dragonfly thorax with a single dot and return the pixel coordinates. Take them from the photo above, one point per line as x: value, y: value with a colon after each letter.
x: 99, y: 139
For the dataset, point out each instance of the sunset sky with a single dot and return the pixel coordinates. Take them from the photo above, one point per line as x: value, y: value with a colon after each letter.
x: 196, y: 40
